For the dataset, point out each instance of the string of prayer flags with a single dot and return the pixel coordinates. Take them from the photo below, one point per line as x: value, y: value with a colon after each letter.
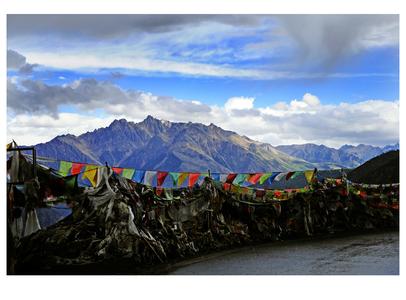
x: 64, y: 168
x: 149, y: 177
x: 175, y: 177
x: 253, y: 178
x: 240, y: 179
x: 264, y: 177
x: 139, y: 176
x: 230, y: 177
x: 160, y: 177
x: 309, y: 175
x: 76, y: 168
x: 90, y: 173
x: 128, y: 173
x: 193, y: 177
x: 182, y: 178
x: 118, y: 171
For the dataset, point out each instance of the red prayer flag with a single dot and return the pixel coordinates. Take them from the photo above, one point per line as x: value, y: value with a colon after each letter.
x: 231, y: 177
x: 76, y: 168
x: 193, y: 177
x: 227, y: 186
x: 161, y: 177
x: 290, y: 174
x: 254, y: 177
x: 118, y: 171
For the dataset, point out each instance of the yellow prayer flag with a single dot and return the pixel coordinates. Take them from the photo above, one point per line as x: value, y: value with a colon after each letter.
x: 182, y: 178
x: 309, y: 175
x: 91, y: 174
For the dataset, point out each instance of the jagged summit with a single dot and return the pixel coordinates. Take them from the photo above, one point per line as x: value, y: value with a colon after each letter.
x: 155, y: 144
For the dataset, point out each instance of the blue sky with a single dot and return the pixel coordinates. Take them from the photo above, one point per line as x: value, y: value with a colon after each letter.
x: 265, y: 76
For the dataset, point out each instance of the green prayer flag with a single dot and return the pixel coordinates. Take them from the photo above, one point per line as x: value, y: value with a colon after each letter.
x: 264, y: 178
x: 64, y: 167
x: 175, y: 177
x: 240, y: 179
x: 128, y: 173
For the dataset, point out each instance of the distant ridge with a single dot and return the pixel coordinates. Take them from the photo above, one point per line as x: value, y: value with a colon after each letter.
x: 346, y: 156
x: 379, y: 170
x: 162, y: 145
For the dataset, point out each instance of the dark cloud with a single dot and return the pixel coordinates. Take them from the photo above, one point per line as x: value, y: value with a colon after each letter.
x: 18, y: 62
x: 36, y: 97
x: 15, y: 60
x: 324, y: 40
x: 112, y: 26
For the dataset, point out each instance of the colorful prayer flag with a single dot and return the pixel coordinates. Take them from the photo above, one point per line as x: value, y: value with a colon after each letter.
x: 161, y: 177
x: 182, y: 178
x: 273, y: 176
x: 289, y: 175
x: 76, y: 168
x: 253, y: 178
x: 193, y: 177
x: 118, y: 171
x: 230, y: 177
x: 64, y: 168
x: 149, y: 177
x: 215, y: 176
x: 175, y: 177
x: 139, y: 176
x: 128, y: 173
x: 264, y: 177
x: 279, y: 176
x: 240, y: 179
x: 90, y: 173
x: 309, y: 175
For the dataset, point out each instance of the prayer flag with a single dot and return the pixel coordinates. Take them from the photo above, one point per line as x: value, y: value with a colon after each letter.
x: 280, y: 176
x: 118, y: 171
x: 309, y: 175
x: 64, y: 168
x: 90, y: 173
x: 273, y: 176
x: 230, y: 177
x: 240, y: 179
x: 182, y: 178
x: 175, y: 177
x: 76, y: 168
x: 149, y: 177
x: 128, y: 173
x: 290, y: 174
x: 264, y: 177
x: 193, y: 177
x: 139, y: 176
x: 215, y: 176
x: 253, y: 178
x: 161, y: 177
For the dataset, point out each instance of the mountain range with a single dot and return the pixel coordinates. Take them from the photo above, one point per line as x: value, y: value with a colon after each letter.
x: 347, y: 156
x: 162, y: 145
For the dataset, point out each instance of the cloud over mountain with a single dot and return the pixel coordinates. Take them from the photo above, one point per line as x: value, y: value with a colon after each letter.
x: 298, y: 121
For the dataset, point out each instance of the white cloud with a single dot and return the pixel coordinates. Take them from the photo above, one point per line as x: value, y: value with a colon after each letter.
x: 239, y: 103
x: 311, y: 99
x: 29, y: 130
